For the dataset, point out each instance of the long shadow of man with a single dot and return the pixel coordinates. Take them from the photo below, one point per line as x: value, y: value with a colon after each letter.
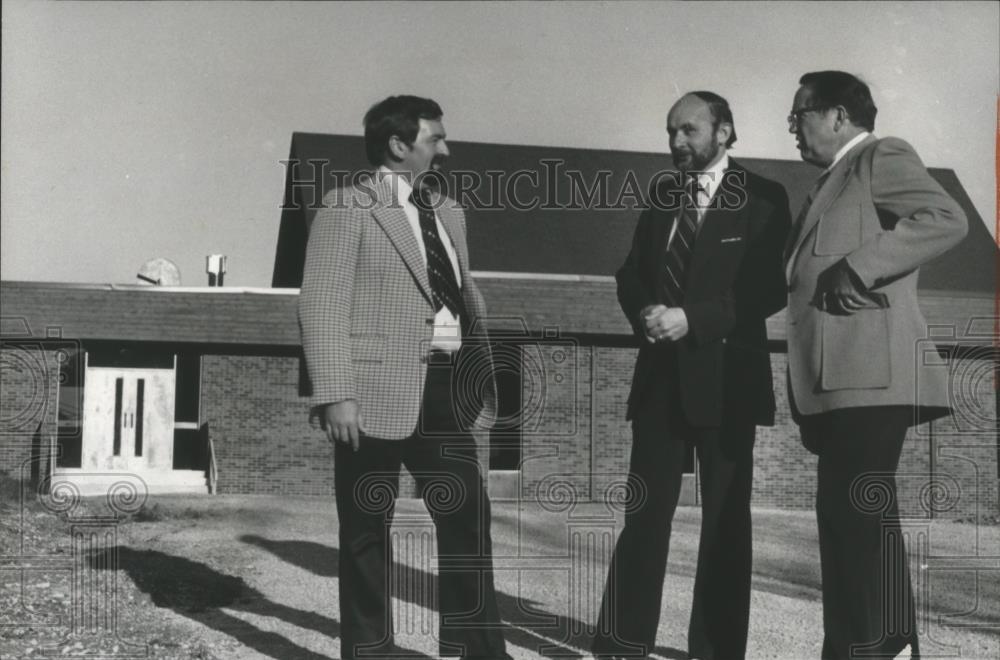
x: 545, y: 633
x: 200, y: 593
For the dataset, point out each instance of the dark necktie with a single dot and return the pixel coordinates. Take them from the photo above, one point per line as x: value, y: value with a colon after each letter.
x: 681, y: 247
x: 444, y: 285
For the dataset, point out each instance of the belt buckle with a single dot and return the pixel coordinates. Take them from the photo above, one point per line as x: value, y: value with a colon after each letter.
x: 438, y: 357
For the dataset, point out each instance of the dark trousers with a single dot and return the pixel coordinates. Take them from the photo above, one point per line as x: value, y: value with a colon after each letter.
x: 868, y: 608
x: 630, y: 611
x: 443, y: 462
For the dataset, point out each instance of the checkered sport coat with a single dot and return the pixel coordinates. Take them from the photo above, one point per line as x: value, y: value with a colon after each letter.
x: 365, y: 309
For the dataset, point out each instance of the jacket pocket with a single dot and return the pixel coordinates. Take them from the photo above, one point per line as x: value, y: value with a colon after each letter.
x: 855, y: 351
x: 365, y: 348
x: 838, y: 231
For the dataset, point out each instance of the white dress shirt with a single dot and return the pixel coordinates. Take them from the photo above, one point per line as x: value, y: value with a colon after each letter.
x: 708, y: 184
x: 447, y: 329
x: 844, y: 149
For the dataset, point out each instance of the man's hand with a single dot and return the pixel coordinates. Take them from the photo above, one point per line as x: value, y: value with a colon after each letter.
x: 839, y: 290
x: 648, y: 316
x: 342, y: 422
x: 664, y: 323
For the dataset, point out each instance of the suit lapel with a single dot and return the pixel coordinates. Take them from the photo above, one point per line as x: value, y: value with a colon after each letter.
x: 713, y: 225
x: 825, y: 196
x: 662, y: 221
x: 391, y: 217
x: 710, y: 230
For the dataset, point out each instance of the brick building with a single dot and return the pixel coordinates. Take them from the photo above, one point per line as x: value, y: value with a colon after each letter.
x: 203, y: 389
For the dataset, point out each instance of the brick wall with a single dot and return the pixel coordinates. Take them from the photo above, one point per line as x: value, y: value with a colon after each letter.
x: 784, y: 474
x: 612, y: 435
x: 947, y: 468
x: 28, y: 408
x: 556, y: 428
x: 258, y: 422
x: 913, y: 472
x: 575, y: 441
x: 963, y: 446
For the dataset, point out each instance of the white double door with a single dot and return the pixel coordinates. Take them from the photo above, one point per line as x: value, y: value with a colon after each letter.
x: 128, y: 419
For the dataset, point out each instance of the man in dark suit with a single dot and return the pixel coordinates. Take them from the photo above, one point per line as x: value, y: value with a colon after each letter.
x: 386, y: 309
x: 703, y: 274
x: 857, y: 376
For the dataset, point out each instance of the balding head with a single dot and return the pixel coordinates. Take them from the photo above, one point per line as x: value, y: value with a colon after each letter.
x: 698, y: 137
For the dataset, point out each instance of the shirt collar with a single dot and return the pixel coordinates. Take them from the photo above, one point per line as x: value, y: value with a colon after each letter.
x: 710, y: 179
x: 847, y: 147
x: 400, y: 184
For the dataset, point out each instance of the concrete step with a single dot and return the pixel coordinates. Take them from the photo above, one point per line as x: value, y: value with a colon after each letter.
x: 87, y: 483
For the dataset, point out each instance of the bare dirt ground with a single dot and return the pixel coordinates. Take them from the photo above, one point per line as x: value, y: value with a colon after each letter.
x: 234, y: 577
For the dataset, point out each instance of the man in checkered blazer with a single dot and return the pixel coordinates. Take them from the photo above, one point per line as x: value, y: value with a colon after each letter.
x: 388, y: 311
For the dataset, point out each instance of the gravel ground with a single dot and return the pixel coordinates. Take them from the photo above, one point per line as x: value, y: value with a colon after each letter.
x: 234, y: 577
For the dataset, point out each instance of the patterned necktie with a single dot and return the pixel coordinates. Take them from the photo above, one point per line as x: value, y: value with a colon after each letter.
x: 681, y: 247
x: 444, y: 285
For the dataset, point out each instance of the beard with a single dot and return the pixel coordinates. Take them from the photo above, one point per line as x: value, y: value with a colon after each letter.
x: 695, y: 160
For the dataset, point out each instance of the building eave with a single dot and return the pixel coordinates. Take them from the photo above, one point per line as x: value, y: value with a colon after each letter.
x: 568, y: 304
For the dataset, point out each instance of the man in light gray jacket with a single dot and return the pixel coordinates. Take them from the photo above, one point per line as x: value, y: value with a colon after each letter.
x: 856, y: 379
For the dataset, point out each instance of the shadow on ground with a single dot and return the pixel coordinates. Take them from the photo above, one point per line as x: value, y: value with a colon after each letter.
x: 536, y: 630
x: 199, y: 592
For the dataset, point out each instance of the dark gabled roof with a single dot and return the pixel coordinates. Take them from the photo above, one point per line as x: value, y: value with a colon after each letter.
x: 255, y: 318
x: 582, y: 241
x: 146, y: 313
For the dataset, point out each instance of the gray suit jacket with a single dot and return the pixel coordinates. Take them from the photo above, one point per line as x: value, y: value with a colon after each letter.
x: 882, y: 212
x: 366, y: 314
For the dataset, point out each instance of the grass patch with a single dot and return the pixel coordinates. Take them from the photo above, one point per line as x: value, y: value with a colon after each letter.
x: 11, y: 488
x: 158, y: 512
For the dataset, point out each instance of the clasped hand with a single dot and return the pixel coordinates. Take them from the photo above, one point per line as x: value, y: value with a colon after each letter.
x: 662, y: 323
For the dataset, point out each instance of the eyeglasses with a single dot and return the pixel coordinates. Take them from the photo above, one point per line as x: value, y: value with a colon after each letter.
x: 796, y: 116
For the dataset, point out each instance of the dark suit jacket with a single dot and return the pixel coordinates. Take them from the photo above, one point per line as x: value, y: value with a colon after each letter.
x: 734, y: 282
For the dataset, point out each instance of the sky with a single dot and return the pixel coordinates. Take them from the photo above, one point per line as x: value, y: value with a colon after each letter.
x: 140, y: 130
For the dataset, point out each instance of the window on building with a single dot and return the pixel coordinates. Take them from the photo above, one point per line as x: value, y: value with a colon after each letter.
x: 190, y: 452
x: 70, y: 404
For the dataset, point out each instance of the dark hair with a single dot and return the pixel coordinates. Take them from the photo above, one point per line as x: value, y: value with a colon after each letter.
x: 719, y: 107
x: 832, y: 88
x: 396, y: 115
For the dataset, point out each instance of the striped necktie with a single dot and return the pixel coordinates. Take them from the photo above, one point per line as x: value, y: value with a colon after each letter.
x: 679, y: 253
x: 444, y: 285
